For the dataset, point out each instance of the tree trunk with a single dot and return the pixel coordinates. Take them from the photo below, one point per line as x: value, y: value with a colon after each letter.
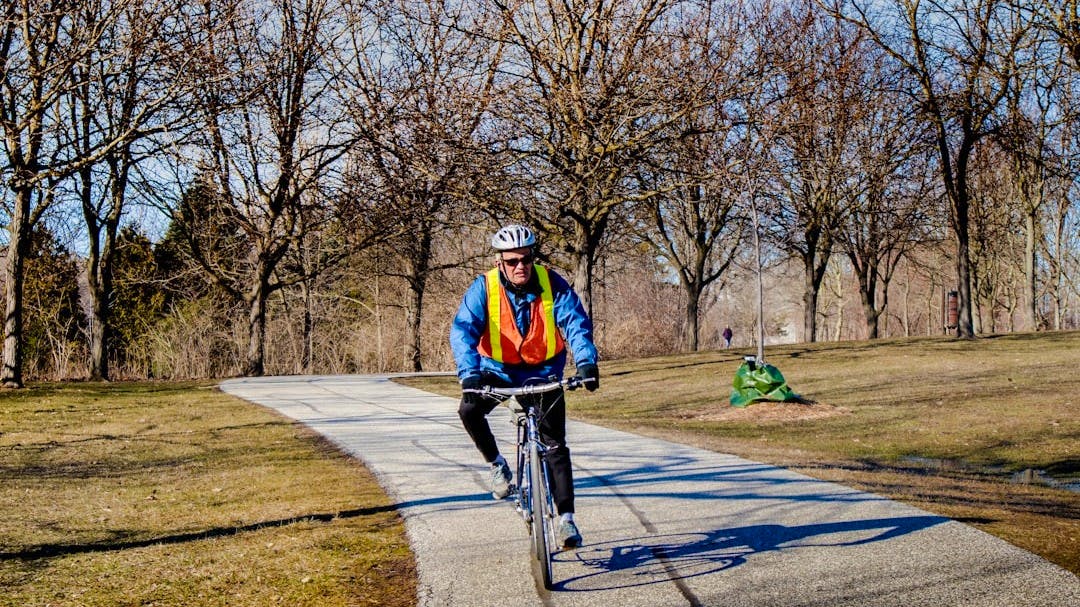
x: 883, y: 309
x: 838, y: 291
x: 309, y: 329
x: 810, y: 298
x: 99, y: 367
x: 965, y: 328
x: 907, y: 313
x: 583, y: 274
x: 1030, y: 312
x: 99, y: 307
x: 930, y: 297
x: 965, y: 324
x: 19, y: 235
x: 814, y: 266
x: 419, y: 265
x: 838, y: 328
x: 99, y: 275
x: 256, y: 353
x: 872, y: 316
x: 870, y: 311
x: 100, y: 262
x: 99, y: 323
x: 413, y: 314
x: 693, y: 306
x: 1056, y: 274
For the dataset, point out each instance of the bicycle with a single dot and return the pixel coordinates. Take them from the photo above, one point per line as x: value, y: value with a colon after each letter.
x: 533, y: 497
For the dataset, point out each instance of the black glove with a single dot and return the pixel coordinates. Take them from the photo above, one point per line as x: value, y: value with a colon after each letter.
x: 591, y: 375
x: 472, y: 382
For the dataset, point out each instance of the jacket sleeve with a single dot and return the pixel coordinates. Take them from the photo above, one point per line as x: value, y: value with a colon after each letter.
x: 467, y: 328
x: 574, y: 322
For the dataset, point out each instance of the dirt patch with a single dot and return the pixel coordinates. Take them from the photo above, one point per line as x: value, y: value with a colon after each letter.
x: 766, y: 411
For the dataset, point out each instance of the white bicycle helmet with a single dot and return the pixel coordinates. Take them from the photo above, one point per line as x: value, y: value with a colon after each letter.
x: 513, y: 237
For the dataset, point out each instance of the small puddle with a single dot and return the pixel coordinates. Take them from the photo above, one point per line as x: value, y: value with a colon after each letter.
x: 1028, y: 476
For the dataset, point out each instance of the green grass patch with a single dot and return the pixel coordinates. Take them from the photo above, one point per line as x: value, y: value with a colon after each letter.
x: 178, y: 494
x: 986, y: 431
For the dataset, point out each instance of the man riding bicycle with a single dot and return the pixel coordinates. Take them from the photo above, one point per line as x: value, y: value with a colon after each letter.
x: 514, y: 325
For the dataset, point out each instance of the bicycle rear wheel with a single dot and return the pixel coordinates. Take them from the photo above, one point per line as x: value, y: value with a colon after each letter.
x: 538, y: 501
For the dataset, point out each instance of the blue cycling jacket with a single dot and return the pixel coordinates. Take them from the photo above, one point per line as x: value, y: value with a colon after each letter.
x: 471, y: 322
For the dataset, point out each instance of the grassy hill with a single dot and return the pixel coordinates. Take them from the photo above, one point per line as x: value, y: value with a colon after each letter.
x: 985, y: 431
x: 177, y: 494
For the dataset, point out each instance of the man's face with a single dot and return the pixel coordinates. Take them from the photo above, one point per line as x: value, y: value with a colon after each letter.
x: 517, y: 265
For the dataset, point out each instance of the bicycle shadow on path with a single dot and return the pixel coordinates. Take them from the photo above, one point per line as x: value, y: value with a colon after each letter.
x: 698, y: 480
x: 653, y: 559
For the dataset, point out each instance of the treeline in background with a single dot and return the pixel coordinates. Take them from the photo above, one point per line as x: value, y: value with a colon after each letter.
x: 225, y: 187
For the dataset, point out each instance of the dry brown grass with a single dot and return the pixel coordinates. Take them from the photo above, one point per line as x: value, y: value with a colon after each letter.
x: 177, y: 494
x: 947, y: 425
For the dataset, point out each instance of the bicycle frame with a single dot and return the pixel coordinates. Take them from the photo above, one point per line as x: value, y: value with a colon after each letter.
x: 528, y: 434
x: 533, y: 498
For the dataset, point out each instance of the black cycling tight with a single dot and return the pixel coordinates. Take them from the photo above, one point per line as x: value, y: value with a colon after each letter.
x: 473, y: 412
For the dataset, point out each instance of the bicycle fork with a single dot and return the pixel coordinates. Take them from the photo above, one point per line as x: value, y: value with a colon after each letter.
x: 523, y: 489
x: 526, y: 433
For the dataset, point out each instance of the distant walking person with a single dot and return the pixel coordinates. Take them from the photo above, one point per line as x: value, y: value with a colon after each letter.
x: 515, y: 325
x: 727, y: 337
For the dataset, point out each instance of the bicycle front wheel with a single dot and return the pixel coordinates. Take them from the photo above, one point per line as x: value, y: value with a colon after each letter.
x: 538, y: 501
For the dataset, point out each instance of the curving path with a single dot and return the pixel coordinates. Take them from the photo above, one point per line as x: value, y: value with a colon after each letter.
x: 663, y: 523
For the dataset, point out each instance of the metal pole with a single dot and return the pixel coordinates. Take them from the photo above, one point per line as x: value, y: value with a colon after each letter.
x: 760, y: 285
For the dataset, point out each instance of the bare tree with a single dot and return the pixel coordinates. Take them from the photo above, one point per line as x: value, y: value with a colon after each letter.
x: 808, y: 121
x: 697, y: 228
x: 892, y: 202
x: 42, y: 42
x: 593, y: 94
x: 694, y: 220
x: 1034, y: 113
x: 1062, y: 232
x: 274, y: 136
x: 418, y: 102
x: 882, y: 226
x: 125, y: 92
x: 953, y: 49
x: 1062, y: 17
x: 997, y: 258
x: 834, y: 285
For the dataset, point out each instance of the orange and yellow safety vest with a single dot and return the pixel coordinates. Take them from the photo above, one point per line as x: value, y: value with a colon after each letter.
x: 541, y: 343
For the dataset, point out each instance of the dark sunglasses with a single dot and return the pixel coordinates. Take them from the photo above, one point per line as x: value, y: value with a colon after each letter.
x: 527, y: 260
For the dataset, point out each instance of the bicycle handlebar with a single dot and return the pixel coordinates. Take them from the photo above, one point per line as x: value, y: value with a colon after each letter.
x: 570, y: 383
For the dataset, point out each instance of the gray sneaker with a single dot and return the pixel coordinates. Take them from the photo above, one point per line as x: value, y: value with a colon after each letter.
x: 568, y: 535
x: 500, y: 480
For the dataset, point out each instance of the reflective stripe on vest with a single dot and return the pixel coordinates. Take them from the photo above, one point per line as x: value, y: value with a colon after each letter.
x: 541, y: 343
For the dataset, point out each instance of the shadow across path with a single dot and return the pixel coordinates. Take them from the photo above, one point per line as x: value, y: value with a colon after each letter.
x: 665, y: 524
x: 661, y: 558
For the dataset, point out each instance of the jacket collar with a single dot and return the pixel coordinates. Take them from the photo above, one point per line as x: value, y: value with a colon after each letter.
x: 533, y: 286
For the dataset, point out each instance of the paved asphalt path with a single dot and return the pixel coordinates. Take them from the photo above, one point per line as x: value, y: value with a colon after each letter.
x: 663, y: 523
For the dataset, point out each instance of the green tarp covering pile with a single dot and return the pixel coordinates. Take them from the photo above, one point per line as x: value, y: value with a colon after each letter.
x: 755, y: 381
